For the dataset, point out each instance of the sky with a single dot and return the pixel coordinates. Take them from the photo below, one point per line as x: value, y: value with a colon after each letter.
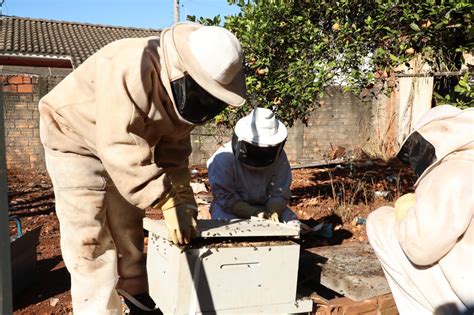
x: 132, y: 13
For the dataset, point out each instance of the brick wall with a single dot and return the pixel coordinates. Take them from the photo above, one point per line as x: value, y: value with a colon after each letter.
x: 17, y: 84
x: 20, y: 96
x: 341, y: 126
x: 379, y: 305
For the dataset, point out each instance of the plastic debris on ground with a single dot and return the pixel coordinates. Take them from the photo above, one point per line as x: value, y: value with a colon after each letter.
x: 322, y: 229
x: 359, y: 220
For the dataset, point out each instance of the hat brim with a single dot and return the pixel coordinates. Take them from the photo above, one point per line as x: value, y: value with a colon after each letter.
x: 232, y: 93
x: 244, y: 131
x: 435, y: 113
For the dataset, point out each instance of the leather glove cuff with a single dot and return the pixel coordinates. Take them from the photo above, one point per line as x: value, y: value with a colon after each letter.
x: 185, y: 194
x: 244, y: 209
x: 181, y: 188
x: 275, y: 206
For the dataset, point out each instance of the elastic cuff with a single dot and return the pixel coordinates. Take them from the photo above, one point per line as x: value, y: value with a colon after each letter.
x: 134, y: 285
x: 134, y: 301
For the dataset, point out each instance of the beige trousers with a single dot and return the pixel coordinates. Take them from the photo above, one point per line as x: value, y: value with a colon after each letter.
x: 101, y: 234
x: 416, y: 290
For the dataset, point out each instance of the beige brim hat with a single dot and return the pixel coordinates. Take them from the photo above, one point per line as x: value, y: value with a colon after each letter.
x: 232, y: 93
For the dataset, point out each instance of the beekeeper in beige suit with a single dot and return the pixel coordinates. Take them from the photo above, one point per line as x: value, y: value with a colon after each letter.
x: 116, y: 134
x: 426, y: 243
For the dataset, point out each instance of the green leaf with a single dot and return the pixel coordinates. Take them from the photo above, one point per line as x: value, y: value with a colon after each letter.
x: 414, y: 27
x: 296, y: 42
x: 380, y: 51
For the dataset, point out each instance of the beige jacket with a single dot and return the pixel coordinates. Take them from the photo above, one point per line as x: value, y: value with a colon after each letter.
x: 115, y: 106
x: 440, y: 227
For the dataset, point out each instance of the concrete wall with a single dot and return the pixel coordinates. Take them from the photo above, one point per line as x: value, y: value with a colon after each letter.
x: 341, y: 126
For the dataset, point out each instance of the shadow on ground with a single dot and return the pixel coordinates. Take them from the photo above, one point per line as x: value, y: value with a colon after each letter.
x: 51, y: 279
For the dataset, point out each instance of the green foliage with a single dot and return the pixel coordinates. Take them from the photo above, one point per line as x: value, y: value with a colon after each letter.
x: 205, y: 21
x: 459, y: 91
x: 295, y: 49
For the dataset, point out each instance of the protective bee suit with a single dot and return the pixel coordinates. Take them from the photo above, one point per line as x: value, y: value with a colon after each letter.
x: 116, y: 134
x: 426, y: 242
x: 250, y: 175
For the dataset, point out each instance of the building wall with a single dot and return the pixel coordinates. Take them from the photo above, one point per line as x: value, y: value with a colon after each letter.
x: 34, y: 71
x: 20, y: 96
x: 341, y: 126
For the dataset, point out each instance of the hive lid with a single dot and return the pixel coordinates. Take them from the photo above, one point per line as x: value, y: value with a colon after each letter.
x: 253, y: 227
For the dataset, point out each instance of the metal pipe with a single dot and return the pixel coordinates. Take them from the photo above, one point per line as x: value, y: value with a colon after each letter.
x: 5, y: 263
x: 431, y: 74
x: 176, y: 11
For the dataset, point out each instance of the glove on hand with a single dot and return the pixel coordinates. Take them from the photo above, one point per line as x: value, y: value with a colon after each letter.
x: 180, y: 208
x: 274, y: 209
x: 245, y: 210
x: 180, y: 218
x: 274, y: 216
x: 261, y: 215
x: 403, y: 203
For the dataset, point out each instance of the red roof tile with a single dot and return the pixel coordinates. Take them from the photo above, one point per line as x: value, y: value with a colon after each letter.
x: 29, y: 37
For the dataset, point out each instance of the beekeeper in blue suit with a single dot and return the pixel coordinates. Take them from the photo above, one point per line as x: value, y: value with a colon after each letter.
x: 251, y: 175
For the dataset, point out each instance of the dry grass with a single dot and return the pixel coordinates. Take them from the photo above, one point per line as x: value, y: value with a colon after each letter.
x: 346, y: 195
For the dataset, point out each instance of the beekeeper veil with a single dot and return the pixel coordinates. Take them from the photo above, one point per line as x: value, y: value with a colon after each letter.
x: 441, y: 131
x: 203, y: 70
x: 258, y: 138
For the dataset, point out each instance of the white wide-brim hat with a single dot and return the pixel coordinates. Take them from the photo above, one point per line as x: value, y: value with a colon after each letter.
x: 213, y: 57
x: 436, y: 113
x: 261, y: 128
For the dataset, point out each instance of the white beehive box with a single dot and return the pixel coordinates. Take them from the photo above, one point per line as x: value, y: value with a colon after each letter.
x: 248, y: 273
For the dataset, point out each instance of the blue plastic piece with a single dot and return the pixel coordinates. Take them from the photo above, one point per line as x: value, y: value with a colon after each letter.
x: 360, y: 220
x: 18, y: 225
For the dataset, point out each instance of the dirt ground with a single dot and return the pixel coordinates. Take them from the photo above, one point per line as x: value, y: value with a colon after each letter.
x: 338, y: 195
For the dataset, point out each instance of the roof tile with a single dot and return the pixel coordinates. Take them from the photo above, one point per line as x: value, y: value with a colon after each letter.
x: 29, y: 37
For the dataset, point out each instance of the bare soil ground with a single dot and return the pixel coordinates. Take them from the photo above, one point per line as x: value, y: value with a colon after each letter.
x: 335, y: 194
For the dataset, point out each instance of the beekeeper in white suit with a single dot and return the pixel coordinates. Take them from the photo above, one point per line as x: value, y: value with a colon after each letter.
x: 116, y: 133
x: 250, y: 175
x: 426, y: 242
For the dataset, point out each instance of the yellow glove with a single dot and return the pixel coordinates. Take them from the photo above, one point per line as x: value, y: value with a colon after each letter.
x: 403, y: 203
x: 245, y: 210
x: 274, y: 216
x: 180, y: 208
x: 261, y: 214
x: 274, y: 208
x: 180, y: 218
